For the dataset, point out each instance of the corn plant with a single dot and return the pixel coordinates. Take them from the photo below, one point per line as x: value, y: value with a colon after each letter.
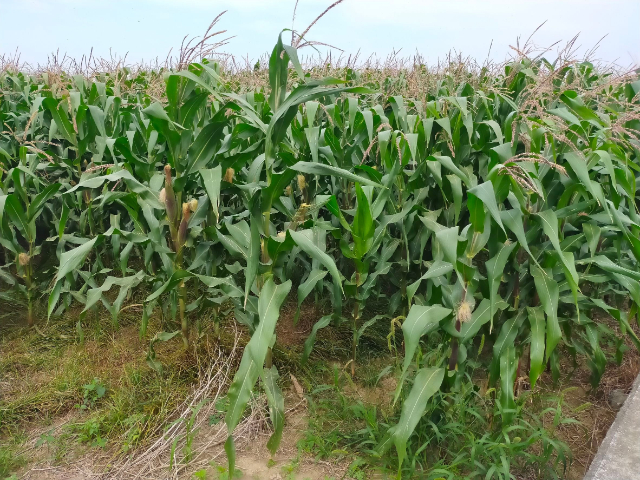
x: 498, y: 212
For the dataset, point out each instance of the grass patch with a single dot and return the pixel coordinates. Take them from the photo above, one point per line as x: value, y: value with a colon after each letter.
x: 104, y: 384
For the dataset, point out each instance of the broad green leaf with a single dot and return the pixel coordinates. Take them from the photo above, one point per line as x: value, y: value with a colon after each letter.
x: 495, y: 126
x: 579, y: 166
x: 211, y: 179
x: 537, y: 322
x: 65, y: 127
x: 276, y: 406
x: 311, y: 249
x: 456, y: 190
x: 508, y: 333
x: 548, y: 293
x: 71, y: 260
x: 253, y: 357
x: 307, y: 287
x: 14, y: 209
x: 98, y: 117
x: 287, y: 109
x: 480, y: 316
x: 549, y: 223
x: 592, y: 233
x: 143, y: 191
x: 362, y: 226
x: 179, y: 275
x: 437, y: 269
x: 610, y: 266
x: 448, y: 240
x: 447, y: 163
x: 486, y: 193
x: 313, y: 134
x: 322, y: 169
x: 508, y: 364
x: 513, y: 220
x: 425, y: 385
x: 203, y: 148
x: 38, y: 203
x: 420, y: 321
x: 253, y: 252
x: 495, y: 269
x: 311, y: 339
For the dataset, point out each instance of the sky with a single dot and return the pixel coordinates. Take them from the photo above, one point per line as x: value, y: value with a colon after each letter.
x: 146, y: 29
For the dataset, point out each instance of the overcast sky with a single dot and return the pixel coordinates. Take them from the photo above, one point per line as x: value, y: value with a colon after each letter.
x: 146, y: 29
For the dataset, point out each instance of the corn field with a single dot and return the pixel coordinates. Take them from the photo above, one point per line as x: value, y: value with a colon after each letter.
x: 499, y: 212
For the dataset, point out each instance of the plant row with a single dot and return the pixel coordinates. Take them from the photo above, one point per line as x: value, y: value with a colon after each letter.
x: 501, y: 215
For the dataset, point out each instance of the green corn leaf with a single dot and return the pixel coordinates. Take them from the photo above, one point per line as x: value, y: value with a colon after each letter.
x: 537, y: 322
x: 98, y: 117
x: 253, y: 357
x: 125, y: 284
x: 508, y: 364
x: 621, y: 316
x: 278, y: 73
x: 38, y: 203
x: 3, y: 201
x: 311, y: 339
x: 312, y: 134
x: 303, y: 240
x: 566, y: 115
x: 448, y: 241
x: 230, y: 243
x: 513, y: 220
x: 447, y: 163
x: 592, y: 232
x: 495, y: 126
x: 549, y: 223
x: 445, y: 123
x: 366, y: 325
x: 495, y: 269
x: 211, y: 179
x: 65, y: 127
x: 508, y: 333
x: 156, y: 110
x: 64, y: 216
x: 476, y: 213
x: 579, y: 166
x: 143, y: 191
x: 307, y: 287
x: 438, y: 269
x: 321, y: 169
x: 420, y: 321
x: 198, y: 80
x: 179, y: 275
x: 14, y: 209
x: 287, y: 109
x: 425, y: 385
x: 203, y: 148
x: 456, y: 190
x: 548, y: 293
x: 481, y: 315
x: 487, y: 195
x: 476, y: 241
x: 606, y: 264
x: 276, y: 406
x: 74, y: 258
x: 253, y: 252
x: 69, y: 262
x: 362, y: 226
